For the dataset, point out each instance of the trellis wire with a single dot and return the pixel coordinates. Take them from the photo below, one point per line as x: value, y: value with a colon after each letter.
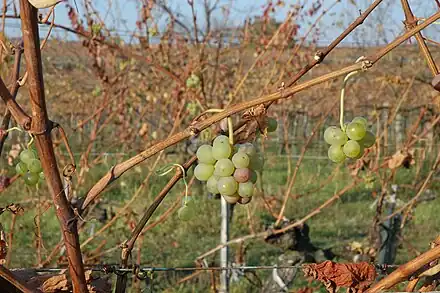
x: 116, y: 269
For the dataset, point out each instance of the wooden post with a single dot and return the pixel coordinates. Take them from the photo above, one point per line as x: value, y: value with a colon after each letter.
x: 399, y: 130
x: 224, y: 252
x: 388, y: 232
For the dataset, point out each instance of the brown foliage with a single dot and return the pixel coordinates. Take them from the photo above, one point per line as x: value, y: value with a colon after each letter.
x: 357, y: 277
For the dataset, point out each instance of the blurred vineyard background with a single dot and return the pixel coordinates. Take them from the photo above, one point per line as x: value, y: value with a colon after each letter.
x: 115, y: 99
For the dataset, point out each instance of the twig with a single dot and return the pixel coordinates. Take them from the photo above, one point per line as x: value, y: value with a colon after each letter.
x: 41, y: 130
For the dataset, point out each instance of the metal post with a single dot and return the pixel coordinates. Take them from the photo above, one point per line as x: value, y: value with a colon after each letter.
x: 224, y: 252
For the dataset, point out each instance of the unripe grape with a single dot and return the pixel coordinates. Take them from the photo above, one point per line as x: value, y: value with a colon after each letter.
x: 221, y: 151
x: 203, y: 171
x: 242, y: 175
x: 272, y: 124
x: 253, y: 176
x: 221, y: 139
x: 361, y: 120
x: 31, y: 179
x: 369, y: 139
x: 231, y: 198
x: 240, y: 160
x: 351, y: 149
x: 248, y: 149
x: 21, y: 168
x: 336, y: 154
x: 246, y: 189
x: 227, y: 185
x: 34, y: 166
x: 244, y: 200
x: 42, y: 176
x: 27, y: 155
x: 361, y: 152
x: 204, y: 154
x: 256, y: 162
x: 184, y: 213
x: 224, y: 168
x: 211, y: 184
x: 335, y: 136
x: 356, y: 131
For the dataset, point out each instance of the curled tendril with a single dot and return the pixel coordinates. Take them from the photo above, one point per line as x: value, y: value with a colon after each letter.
x: 344, y: 84
x: 168, y: 168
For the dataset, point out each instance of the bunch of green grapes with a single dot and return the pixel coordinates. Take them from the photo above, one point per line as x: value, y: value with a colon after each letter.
x: 350, y: 143
x: 229, y: 170
x: 30, y: 167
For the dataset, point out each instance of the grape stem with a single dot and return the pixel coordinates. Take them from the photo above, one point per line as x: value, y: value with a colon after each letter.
x: 30, y: 142
x: 14, y: 128
x: 344, y: 84
x: 230, y: 126
x: 167, y: 169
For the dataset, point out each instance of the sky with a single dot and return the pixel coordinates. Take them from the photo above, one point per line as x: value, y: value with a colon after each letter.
x: 122, y: 15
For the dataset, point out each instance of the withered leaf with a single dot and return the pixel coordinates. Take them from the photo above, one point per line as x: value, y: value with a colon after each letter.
x: 358, y: 276
x: 401, y: 157
x: 56, y: 283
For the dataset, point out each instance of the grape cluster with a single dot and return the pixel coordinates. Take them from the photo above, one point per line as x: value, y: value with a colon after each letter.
x: 350, y: 143
x: 228, y: 170
x: 30, y: 167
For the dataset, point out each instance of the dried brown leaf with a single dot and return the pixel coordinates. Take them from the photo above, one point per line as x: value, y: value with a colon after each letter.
x: 358, y: 276
x: 58, y: 283
x: 401, y: 157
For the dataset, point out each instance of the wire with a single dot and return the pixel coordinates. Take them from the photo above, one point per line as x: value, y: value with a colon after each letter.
x: 116, y: 269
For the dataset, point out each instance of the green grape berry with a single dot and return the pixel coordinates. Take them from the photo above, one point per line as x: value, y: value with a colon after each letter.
x: 369, y: 139
x: 361, y: 120
x: 253, y: 176
x: 204, y: 154
x: 356, y: 131
x: 21, y: 168
x: 272, y: 124
x: 361, y: 151
x: 31, y: 179
x: 211, y: 184
x: 248, y: 149
x: 27, y: 155
x: 231, y: 198
x: 227, y: 185
x: 256, y: 162
x: 203, y: 171
x: 246, y: 189
x: 221, y: 150
x: 224, y: 168
x: 351, y: 149
x: 184, y: 213
x: 220, y: 140
x: 240, y: 160
x: 335, y: 136
x: 34, y: 166
x: 336, y: 154
x: 42, y: 178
